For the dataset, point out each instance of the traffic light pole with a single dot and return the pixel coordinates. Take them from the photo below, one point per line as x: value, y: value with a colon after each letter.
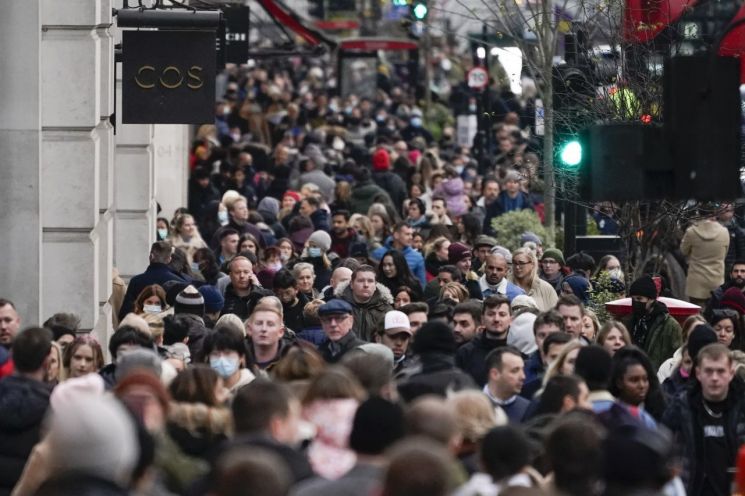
x: 427, y: 66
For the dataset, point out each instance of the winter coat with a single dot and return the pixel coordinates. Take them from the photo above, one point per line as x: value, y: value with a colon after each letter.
x: 80, y: 485
x: 664, y: 335
x: 736, y: 243
x: 340, y: 245
x: 471, y: 357
x: 544, y: 294
x: 369, y: 315
x: 242, y: 306
x: 392, y: 184
x: 705, y: 245
x: 413, y: 258
x: 453, y: 191
x: 333, y: 352
x: 198, y: 429
x: 365, y: 194
x: 436, y: 375
x: 23, y: 404
x: 683, y: 416
x: 320, y: 220
x: 502, y: 205
x: 156, y: 273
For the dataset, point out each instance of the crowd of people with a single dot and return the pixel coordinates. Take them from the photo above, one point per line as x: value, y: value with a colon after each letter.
x: 334, y: 313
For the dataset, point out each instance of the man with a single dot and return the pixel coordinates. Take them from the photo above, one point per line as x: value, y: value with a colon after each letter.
x: 10, y: 322
x: 315, y: 175
x: 460, y: 256
x: 496, y: 317
x: 340, y: 276
x: 506, y: 377
x: 157, y: 272
x: 550, y: 350
x: 365, y: 192
x: 466, y: 321
x: 705, y: 245
x: 594, y: 364
x: 568, y: 391
x: 651, y: 326
x: 552, y: 262
x: 571, y: 311
x: 337, y: 321
x: 342, y: 236
x: 736, y: 249
x: 228, y: 245
x: 238, y: 213
x: 370, y: 301
x: 489, y: 192
x: 494, y: 281
x: 310, y: 207
x: 440, y: 212
x: 24, y: 400
x: 244, y: 291
x: 736, y: 280
x: 401, y: 240
x: 396, y: 334
x: 417, y: 313
x: 265, y: 332
x: 510, y: 199
x: 482, y: 246
x: 708, y: 421
x: 293, y: 301
x: 546, y: 323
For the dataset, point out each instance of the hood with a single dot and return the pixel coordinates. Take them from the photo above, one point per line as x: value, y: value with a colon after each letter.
x: 453, y: 187
x: 23, y: 403
x: 269, y: 209
x: 521, y: 334
x: 365, y: 190
x: 707, y: 230
x: 196, y: 416
x: 381, y: 295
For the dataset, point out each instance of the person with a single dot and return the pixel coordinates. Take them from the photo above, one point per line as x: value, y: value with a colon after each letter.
x: 388, y: 181
x: 552, y: 264
x: 239, y: 220
x: 562, y: 394
x: 252, y: 469
x: 293, y: 302
x: 460, y: 255
x: 613, y: 335
x: 310, y: 207
x: 651, y: 326
x: 401, y: 240
x: 474, y: 416
x: 305, y: 275
x: 571, y: 310
x: 704, y: 420
x: 315, y: 175
x: 152, y: 299
x: 511, y: 198
x: 525, y: 275
x: 594, y: 365
x: 124, y: 339
x: 482, y: 247
x: 630, y: 383
x: 229, y: 239
x: 316, y: 254
x: 437, y: 255
x: 342, y: 234
x: 64, y: 327
x: 736, y: 279
x: 417, y: 467
x: 727, y: 325
x: 505, y: 381
x: 24, y: 400
x: 496, y: 317
x: 243, y: 292
x: 705, y: 245
x: 393, y: 273
x: 577, y: 285
x: 338, y: 276
x: 365, y: 192
x: 267, y: 341
x: 396, y: 334
x: 377, y: 425
x: 369, y: 300
x: 563, y: 364
x: 157, y: 272
x: 495, y: 280
x: 10, y: 322
x: 574, y: 450
x: 545, y: 324
x: 83, y: 356
x: 418, y: 313
x: 185, y: 235
x: 337, y: 322
x: 466, y: 321
x: 225, y: 352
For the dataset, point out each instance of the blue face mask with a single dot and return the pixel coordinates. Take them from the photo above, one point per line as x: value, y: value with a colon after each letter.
x: 162, y: 233
x: 224, y: 366
x: 416, y: 121
x: 194, y: 267
x: 314, y: 252
x: 222, y: 217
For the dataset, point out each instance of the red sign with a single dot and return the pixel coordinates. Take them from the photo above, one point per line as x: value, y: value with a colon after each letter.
x: 477, y: 78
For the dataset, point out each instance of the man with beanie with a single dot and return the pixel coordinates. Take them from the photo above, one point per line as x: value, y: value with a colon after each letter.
x: 552, y: 263
x: 189, y: 300
x: 650, y: 324
x: 387, y: 180
x: 401, y: 239
x: 377, y: 425
x: 213, y: 303
x: 437, y: 373
x: 460, y: 256
x: 496, y: 317
x: 594, y: 365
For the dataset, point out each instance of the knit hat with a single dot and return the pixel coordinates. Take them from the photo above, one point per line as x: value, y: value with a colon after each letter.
x: 700, y: 336
x: 143, y: 378
x: 381, y: 160
x: 580, y: 287
x: 69, y: 391
x: 458, y: 252
x: 189, y: 301
x: 358, y: 249
x: 377, y: 424
x: 554, y: 253
x: 594, y: 365
x: 379, y: 350
x: 521, y: 333
x: 501, y: 250
x: 300, y: 236
x: 213, y: 299
x: 644, y: 286
x: 268, y: 208
x: 530, y: 236
x: 321, y: 239
x: 734, y: 299
x: 434, y: 337
x: 292, y: 194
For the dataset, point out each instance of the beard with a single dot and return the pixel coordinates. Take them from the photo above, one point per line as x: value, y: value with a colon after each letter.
x: 738, y: 282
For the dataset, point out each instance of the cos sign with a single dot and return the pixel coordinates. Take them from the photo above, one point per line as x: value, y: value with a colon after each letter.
x: 168, y: 77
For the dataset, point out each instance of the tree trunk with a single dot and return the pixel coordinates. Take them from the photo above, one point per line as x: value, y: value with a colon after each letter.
x: 546, y: 34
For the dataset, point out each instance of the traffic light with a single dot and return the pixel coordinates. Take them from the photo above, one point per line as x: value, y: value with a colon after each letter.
x: 570, y: 154
x: 419, y: 10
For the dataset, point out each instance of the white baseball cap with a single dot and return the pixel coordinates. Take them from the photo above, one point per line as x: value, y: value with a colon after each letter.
x: 398, y: 321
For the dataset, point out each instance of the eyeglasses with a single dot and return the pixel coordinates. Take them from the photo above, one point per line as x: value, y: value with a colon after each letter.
x: 520, y: 264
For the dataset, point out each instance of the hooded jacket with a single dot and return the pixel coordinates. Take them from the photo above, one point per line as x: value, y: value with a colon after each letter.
x: 705, y: 245
x: 471, y: 357
x: 663, y: 336
x: 197, y: 428
x: 365, y: 194
x: 369, y: 315
x: 453, y: 191
x: 23, y: 404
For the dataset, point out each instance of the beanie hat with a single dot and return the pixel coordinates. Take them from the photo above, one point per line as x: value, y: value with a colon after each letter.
x: 700, y: 336
x: 594, y: 364
x: 530, y: 236
x: 554, y: 253
x: 189, y: 301
x: 213, y: 299
x: 379, y: 350
x: 521, y: 334
x: 434, y: 337
x: 321, y: 239
x: 377, y: 424
x: 146, y: 379
x: 69, y: 391
x: 734, y: 299
x: 381, y: 160
x: 580, y: 287
x: 523, y: 301
x: 644, y: 286
x: 268, y: 208
x: 458, y: 252
x: 292, y: 194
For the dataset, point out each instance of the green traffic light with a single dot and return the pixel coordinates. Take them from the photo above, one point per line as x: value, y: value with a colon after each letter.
x: 420, y: 11
x: 571, y: 153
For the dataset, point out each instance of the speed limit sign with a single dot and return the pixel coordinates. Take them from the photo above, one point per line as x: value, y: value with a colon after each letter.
x: 478, y: 78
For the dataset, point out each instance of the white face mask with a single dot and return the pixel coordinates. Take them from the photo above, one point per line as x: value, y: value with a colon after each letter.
x: 222, y: 217
x: 152, y: 308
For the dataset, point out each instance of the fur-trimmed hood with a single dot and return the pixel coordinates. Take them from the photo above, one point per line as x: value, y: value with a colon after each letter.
x: 196, y: 417
x: 381, y: 294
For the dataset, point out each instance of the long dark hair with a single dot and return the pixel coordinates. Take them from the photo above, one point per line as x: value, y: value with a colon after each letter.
x: 403, y: 277
x: 626, y: 357
x: 726, y: 313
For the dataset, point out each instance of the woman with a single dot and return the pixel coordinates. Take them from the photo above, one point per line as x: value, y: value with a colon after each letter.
x: 83, y: 356
x: 163, y: 228
x: 403, y: 296
x: 634, y: 384
x: 680, y: 378
x: 55, y: 373
x: 669, y: 365
x: 726, y: 324
x: 381, y: 225
x: 416, y: 211
x: 305, y: 276
x: 564, y: 363
x: 315, y: 253
x: 152, y: 299
x: 225, y: 352
x: 394, y: 272
x: 437, y: 256
x: 590, y: 325
x: 474, y: 416
x: 578, y: 286
x: 343, y: 193
x: 186, y: 236
x: 208, y: 267
x: 247, y: 242
x: 525, y: 275
x: 454, y: 291
x: 613, y: 336
x: 286, y: 251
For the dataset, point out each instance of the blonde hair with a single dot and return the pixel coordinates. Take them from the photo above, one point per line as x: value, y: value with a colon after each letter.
x: 474, y: 414
x: 555, y: 368
x: 230, y: 321
x: 456, y: 289
x: 364, y: 220
x: 531, y: 256
x: 268, y: 304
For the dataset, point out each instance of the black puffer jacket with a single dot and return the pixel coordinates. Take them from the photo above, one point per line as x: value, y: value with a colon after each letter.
x: 23, y: 404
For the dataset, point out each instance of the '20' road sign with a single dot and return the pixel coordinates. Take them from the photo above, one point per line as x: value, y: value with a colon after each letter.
x: 478, y: 78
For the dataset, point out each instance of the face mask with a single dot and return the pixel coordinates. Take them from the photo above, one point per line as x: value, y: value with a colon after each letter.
x: 638, y: 307
x: 459, y: 169
x: 163, y: 233
x: 472, y: 108
x: 222, y: 217
x: 684, y: 373
x: 333, y: 107
x: 194, y: 267
x: 416, y: 121
x: 224, y: 366
x: 152, y: 308
x: 314, y: 252
x: 284, y: 257
x: 226, y: 110
x: 616, y: 274
x: 275, y: 267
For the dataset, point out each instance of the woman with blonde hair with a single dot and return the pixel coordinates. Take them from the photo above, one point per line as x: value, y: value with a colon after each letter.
x: 525, y: 275
x: 564, y: 363
x: 186, y: 236
x: 474, y: 416
x: 613, y: 336
x: 454, y: 291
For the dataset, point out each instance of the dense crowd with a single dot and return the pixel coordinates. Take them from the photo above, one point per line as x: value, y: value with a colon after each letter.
x: 335, y: 313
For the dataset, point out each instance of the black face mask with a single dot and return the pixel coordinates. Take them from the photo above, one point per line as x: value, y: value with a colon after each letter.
x: 638, y: 307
